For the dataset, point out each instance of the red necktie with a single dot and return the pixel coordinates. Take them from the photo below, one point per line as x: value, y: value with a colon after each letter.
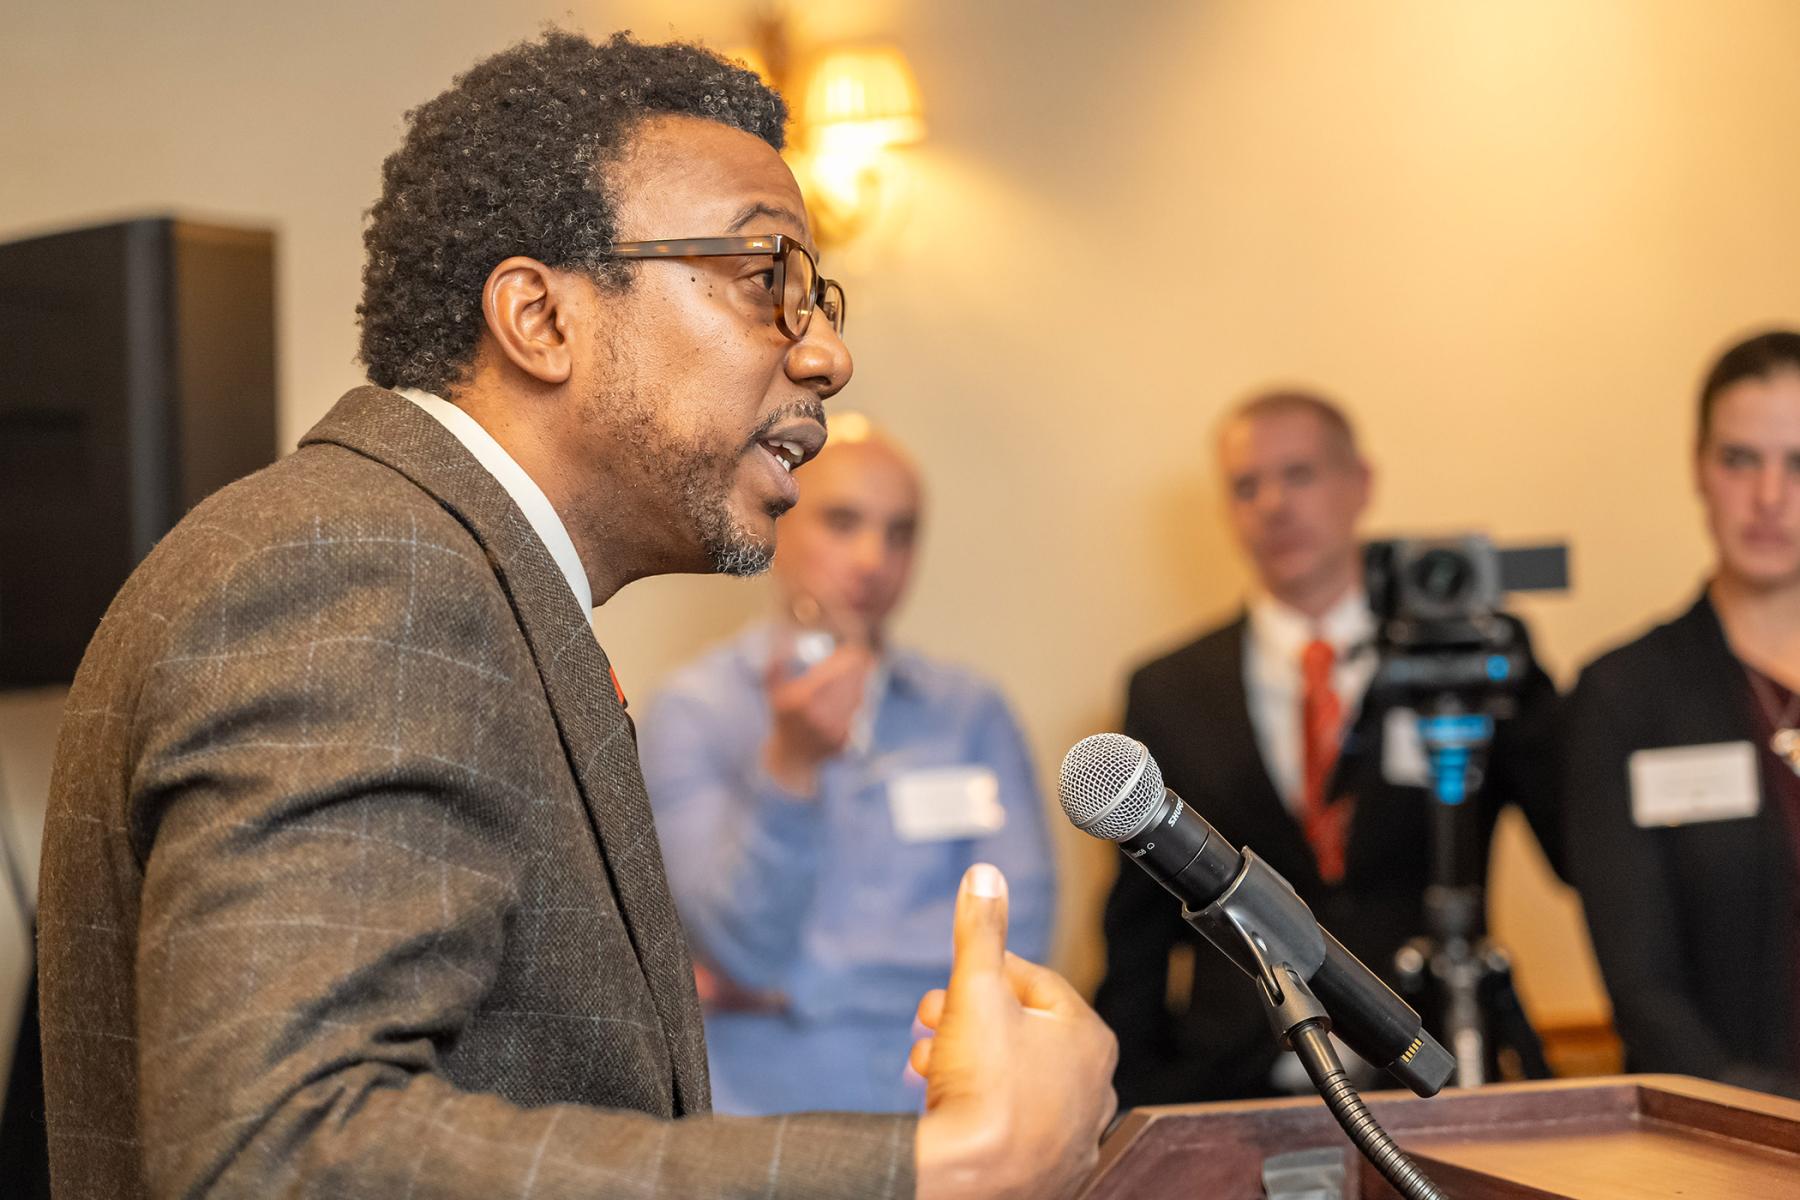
x: 1321, y: 722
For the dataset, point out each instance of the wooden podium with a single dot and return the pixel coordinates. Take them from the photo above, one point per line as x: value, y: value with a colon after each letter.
x: 1632, y: 1137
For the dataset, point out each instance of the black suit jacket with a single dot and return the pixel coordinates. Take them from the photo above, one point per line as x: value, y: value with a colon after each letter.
x: 1694, y: 925
x: 1191, y: 710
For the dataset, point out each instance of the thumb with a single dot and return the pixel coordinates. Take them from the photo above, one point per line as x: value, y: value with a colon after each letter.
x: 980, y: 931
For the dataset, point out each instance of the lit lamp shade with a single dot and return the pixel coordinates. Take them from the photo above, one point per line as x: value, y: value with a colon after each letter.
x: 863, y: 98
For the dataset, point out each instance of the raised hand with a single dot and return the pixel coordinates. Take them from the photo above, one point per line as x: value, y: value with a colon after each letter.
x: 1018, y: 1074
x: 813, y: 713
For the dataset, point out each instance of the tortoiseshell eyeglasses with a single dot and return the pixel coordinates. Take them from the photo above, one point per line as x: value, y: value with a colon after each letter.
x: 797, y: 289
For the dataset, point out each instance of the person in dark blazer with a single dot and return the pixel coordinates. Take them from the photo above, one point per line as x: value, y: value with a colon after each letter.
x: 350, y: 885
x: 1682, y: 765
x: 1259, y: 725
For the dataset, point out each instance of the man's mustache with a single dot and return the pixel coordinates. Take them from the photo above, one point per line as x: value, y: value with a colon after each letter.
x: 813, y: 409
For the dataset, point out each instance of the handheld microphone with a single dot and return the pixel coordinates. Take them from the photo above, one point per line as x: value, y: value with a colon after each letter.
x: 1112, y: 789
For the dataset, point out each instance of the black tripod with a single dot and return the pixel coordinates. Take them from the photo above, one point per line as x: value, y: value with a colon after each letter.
x: 1451, y: 655
x: 1479, y: 1009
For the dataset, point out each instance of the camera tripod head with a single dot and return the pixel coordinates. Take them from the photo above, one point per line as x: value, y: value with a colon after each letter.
x: 1444, y: 643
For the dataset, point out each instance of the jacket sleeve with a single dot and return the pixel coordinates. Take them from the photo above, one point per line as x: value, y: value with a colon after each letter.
x: 328, y: 890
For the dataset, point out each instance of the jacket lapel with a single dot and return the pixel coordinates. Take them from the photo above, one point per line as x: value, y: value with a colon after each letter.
x: 577, y: 679
x: 1277, y: 835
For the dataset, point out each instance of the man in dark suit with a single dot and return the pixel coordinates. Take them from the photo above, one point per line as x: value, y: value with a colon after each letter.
x: 350, y: 884
x: 1260, y: 725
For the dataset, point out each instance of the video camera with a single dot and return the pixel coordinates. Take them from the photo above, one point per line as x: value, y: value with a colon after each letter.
x: 1439, y: 626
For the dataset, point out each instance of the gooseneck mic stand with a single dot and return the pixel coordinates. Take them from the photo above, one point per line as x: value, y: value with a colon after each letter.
x: 1255, y: 922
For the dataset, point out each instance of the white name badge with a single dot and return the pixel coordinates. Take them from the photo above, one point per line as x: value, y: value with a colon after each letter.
x: 1683, y: 785
x: 1403, y: 760
x: 942, y: 804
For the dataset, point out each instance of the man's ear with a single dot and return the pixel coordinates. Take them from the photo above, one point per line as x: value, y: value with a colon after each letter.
x: 530, y: 311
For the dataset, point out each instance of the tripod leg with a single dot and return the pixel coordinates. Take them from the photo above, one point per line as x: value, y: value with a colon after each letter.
x: 1511, y: 1025
x: 1465, y: 1021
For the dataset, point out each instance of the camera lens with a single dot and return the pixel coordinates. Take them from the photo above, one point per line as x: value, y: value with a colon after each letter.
x: 1442, y: 575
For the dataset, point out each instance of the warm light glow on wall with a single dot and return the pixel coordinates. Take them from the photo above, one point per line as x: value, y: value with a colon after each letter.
x: 864, y: 96
x: 858, y: 103
x: 851, y: 105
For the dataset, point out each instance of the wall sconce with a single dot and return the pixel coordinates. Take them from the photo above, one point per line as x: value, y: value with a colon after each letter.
x: 859, y: 103
x: 851, y: 106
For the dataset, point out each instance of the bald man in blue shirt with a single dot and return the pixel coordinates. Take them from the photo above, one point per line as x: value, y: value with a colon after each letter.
x: 819, y: 793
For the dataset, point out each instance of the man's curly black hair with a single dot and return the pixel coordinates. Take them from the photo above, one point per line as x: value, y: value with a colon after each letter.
x: 510, y: 161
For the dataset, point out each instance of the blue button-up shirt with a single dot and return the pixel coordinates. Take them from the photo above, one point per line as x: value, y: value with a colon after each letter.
x: 817, y: 900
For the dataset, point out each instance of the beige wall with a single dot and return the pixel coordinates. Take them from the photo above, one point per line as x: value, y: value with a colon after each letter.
x: 1508, y: 234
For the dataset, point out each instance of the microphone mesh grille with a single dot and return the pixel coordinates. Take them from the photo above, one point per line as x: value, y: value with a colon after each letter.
x: 1110, y: 785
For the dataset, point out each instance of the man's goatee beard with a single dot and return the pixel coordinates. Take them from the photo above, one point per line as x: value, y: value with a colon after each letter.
x: 741, y: 556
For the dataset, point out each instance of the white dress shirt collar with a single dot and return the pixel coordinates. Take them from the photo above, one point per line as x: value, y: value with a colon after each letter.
x: 1275, y: 640
x: 1284, y: 632
x: 521, y: 487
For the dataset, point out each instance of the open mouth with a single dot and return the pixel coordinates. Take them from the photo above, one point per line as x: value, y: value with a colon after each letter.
x: 792, y: 442
x: 788, y: 454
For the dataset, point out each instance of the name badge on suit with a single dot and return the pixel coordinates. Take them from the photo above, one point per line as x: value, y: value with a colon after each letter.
x: 1686, y: 785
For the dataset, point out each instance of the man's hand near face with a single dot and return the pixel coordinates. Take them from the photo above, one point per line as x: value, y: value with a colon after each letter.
x: 813, y: 713
x: 1019, y: 1073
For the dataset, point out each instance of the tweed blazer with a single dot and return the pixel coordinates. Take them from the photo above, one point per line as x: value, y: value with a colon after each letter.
x: 350, y: 885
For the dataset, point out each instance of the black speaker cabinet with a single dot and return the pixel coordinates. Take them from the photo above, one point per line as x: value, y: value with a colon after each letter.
x: 137, y: 374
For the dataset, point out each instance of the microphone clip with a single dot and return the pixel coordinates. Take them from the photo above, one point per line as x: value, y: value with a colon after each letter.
x: 1260, y: 923
x: 1266, y: 929
x: 1291, y: 1006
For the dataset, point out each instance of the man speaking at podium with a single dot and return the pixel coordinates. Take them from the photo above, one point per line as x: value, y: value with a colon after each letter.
x: 350, y: 885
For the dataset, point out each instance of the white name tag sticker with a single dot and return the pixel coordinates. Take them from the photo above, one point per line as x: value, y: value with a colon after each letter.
x: 1403, y: 750
x: 1684, y: 785
x: 946, y: 803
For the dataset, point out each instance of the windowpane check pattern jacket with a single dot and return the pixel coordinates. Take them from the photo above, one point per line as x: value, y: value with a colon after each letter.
x: 351, y: 888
